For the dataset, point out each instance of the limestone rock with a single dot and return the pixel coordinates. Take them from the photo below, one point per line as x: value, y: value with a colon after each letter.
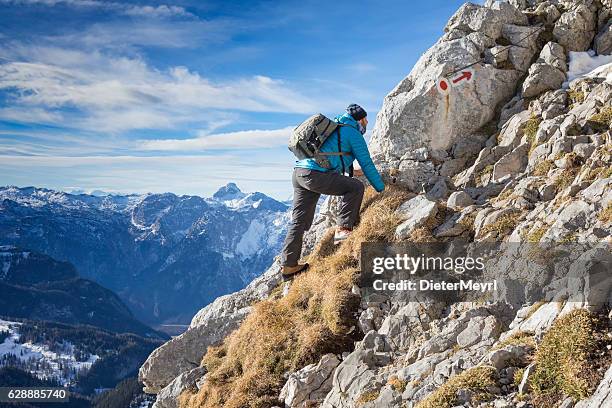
x: 168, y: 397
x: 471, y: 17
x: 554, y: 54
x: 311, y: 384
x: 503, y: 357
x: 511, y: 164
x: 575, y: 28
x: 549, y: 12
x: 416, y: 212
x: 479, y: 328
x: 542, y: 77
x: 416, y: 115
x: 459, y: 199
x: 523, y: 387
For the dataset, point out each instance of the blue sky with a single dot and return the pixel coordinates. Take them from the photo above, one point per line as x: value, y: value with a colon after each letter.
x: 186, y: 96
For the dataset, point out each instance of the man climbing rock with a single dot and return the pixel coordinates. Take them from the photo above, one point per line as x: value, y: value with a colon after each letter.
x: 310, y: 180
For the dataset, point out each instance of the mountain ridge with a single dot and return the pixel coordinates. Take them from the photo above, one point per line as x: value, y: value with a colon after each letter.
x: 141, y: 245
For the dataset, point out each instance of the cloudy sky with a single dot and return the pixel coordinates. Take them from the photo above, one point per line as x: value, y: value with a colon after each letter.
x: 186, y: 96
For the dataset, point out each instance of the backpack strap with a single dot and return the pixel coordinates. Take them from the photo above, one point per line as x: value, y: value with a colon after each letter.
x: 340, y: 150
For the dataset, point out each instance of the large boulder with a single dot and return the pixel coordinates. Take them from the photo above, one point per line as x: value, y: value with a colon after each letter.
x: 311, y: 384
x: 576, y: 28
x: 486, y: 20
x: 415, y: 212
x: 168, y: 397
x: 415, y: 115
x: 542, y: 77
x: 209, y: 327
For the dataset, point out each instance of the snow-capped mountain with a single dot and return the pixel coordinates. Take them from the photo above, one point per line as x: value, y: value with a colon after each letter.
x: 165, y: 255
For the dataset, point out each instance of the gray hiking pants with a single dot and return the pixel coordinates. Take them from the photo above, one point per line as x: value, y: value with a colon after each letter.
x: 308, y: 185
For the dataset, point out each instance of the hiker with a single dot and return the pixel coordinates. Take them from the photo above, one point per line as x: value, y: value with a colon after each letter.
x: 310, y: 180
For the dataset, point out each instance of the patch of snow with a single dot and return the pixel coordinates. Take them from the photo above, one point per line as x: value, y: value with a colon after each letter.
x: 588, y: 64
x: 251, y: 241
x: 59, y: 365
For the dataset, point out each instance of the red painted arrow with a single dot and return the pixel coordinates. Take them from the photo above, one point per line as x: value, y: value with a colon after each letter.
x: 464, y: 75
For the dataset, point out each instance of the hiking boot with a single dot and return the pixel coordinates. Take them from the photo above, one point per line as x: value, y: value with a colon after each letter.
x: 289, y: 272
x: 341, y: 235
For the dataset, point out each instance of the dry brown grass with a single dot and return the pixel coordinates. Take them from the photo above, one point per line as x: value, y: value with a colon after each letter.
x: 575, y: 96
x: 520, y: 338
x: 542, y: 168
x: 565, y: 178
x: 477, y: 380
x: 504, y: 224
x: 397, y: 384
x: 568, y: 359
x: 605, y: 215
x: 530, y: 129
x: 316, y: 317
x: 536, y: 234
x: 601, y: 121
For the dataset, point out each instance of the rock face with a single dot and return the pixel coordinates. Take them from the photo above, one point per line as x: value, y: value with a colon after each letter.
x: 168, y: 397
x: 310, y: 384
x: 415, y: 115
x: 416, y: 212
x: 509, y: 155
x: 576, y: 27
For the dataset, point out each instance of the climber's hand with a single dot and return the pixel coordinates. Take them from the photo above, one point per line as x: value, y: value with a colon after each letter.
x: 357, y: 173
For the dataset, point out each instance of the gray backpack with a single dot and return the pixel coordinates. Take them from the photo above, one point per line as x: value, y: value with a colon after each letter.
x: 309, y: 136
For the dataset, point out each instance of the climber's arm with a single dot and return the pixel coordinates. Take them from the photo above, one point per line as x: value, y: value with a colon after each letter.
x: 360, y: 150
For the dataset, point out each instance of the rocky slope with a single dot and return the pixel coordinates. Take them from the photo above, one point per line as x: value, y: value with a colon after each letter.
x: 165, y: 255
x: 516, y: 153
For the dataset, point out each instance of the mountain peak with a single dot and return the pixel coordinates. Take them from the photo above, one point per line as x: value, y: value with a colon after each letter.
x: 230, y: 191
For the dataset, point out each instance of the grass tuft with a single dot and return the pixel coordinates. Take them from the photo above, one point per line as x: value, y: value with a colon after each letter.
x: 602, y: 172
x: 536, y: 234
x: 367, y: 397
x: 601, y: 121
x: 565, y: 178
x: 542, y: 168
x: 575, y: 96
x: 315, y: 317
x: 504, y: 225
x: 477, y: 380
x: 564, y: 360
x: 605, y: 215
x: 530, y: 129
x: 397, y: 384
x: 520, y: 338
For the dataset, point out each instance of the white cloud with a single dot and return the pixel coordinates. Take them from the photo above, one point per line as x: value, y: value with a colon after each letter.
x: 113, y: 93
x: 161, y: 11
x: 247, y: 139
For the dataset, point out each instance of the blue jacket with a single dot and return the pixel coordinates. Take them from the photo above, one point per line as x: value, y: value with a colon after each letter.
x: 352, y: 142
